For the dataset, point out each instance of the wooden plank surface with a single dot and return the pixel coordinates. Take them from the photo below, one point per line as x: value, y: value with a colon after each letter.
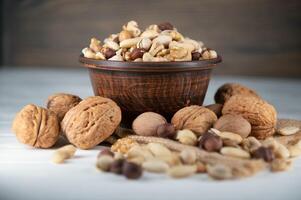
x: 27, y: 173
x: 259, y: 37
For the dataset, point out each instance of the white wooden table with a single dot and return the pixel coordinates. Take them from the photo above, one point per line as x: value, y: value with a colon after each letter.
x: 27, y: 173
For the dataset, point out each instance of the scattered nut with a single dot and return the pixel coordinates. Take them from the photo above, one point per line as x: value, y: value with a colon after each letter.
x: 105, y: 151
x: 209, y: 54
x: 91, y: 121
x: 201, y: 167
x: 116, y: 166
x: 263, y: 125
x: 131, y: 170
x: 188, y: 157
x: 156, y: 166
x: 147, y: 123
x: 210, y: 142
x: 250, y: 144
x: 228, y: 90
x: 216, y: 108
x: 233, y: 123
x: 159, y: 150
x: 166, y: 130
x: 294, y: 150
x: 60, y: 103
x: 219, y: 172
x: 280, y: 165
x: 235, y: 152
x: 195, y: 118
x: 144, y: 43
x: 123, y: 145
x: 36, y: 126
x: 104, y: 162
x: 228, y: 136
x: 289, y: 130
x: 129, y: 42
x: 186, y: 137
x: 264, y: 153
x: 182, y: 171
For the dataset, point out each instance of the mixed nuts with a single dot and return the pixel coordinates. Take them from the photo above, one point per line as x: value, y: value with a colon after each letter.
x: 236, y: 137
x: 157, y: 43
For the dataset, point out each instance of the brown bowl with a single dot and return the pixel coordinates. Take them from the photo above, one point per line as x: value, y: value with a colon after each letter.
x: 162, y: 87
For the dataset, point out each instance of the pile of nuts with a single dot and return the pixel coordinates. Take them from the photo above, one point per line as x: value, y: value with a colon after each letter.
x: 234, y: 138
x: 157, y: 43
x: 241, y: 126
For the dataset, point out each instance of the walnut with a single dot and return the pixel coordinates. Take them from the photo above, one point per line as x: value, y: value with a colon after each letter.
x: 90, y: 122
x: 229, y: 89
x: 36, y: 126
x: 60, y: 103
x: 195, y: 118
x: 261, y: 115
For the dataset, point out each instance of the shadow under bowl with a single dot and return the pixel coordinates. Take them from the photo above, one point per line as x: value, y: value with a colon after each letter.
x: 162, y: 87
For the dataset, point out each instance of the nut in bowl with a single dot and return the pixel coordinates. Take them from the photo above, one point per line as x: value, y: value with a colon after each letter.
x: 155, y: 70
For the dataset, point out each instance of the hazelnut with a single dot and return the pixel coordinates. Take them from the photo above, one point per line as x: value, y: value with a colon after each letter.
x: 233, y: 123
x: 146, y: 124
x: 61, y: 103
x: 210, y: 142
x: 216, y: 108
x: 105, y: 151
x: 166, y: 130
x: 137, y: 53
x: 265, y: 153
x: 116, y: 166
x: 165, y: 26
x: 131, y: 170
x: 227, y: 90
x: 108, y: 52
x: 36, y: 126
x: 195, y: 55
x: 123, y: 35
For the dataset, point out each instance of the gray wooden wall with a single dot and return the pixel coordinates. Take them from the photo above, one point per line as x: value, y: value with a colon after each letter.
x: 255, y: 37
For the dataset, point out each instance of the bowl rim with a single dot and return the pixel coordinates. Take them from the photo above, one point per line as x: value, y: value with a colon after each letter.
x: 149, y: 66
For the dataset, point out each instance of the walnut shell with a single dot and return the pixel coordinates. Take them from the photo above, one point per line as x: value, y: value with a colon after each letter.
x: 233, y: 123
x: 36, y: 126
x: 229, y: 89
x: 195, y: 118
x: 146, y: 124
x: 90, y: 122
x: 261, y: 115
x: 61, y: 103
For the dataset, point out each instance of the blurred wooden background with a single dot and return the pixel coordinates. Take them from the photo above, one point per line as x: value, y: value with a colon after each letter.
x: 257, y: 37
